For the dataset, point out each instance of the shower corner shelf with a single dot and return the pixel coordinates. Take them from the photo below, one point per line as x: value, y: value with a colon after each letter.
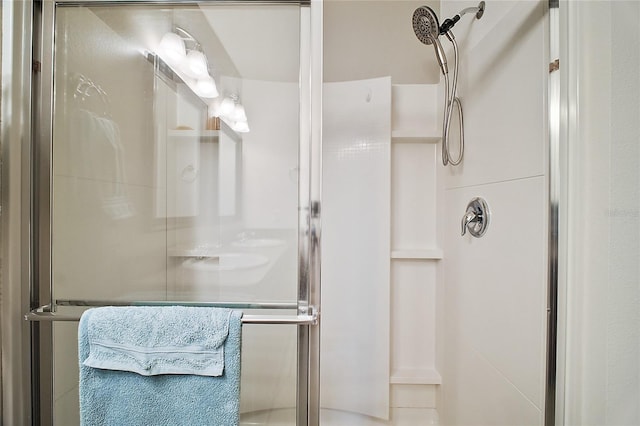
x: 415, y: 377
x: 412, y: 136
x: 425, y: 254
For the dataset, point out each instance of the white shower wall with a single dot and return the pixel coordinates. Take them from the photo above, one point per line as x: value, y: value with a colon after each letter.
x: 270, y: 155
x: 355, y: 242
x: 494, y: 289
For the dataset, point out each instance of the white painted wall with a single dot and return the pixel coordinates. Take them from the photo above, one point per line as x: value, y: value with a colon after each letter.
x: 494, y: 303
x: 602, y: 360
x: 270, y: 155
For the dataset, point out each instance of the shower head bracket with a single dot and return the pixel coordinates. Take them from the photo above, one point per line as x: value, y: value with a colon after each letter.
x: 448, y: 23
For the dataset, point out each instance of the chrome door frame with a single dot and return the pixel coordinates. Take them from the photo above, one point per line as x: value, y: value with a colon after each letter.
x: 309, y: 198
x: 555, y: 211
x: 15, y: 216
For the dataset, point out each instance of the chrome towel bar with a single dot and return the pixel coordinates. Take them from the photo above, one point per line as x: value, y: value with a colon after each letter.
x: 45, y: 313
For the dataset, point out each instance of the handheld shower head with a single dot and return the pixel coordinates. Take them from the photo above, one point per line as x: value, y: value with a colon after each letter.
x: 427, y: 29
x: 425, y: 24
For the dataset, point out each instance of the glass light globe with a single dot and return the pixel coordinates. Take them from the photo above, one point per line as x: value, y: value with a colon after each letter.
x: 206, y: 87
x: 227, y: 107
x: 172, y: 48
x: 239, y: 114
x: 214, y: 107
x: 196, y: 64
x: 241, y: 127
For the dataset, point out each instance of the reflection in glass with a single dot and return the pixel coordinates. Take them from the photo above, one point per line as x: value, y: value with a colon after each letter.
x: 162, y: 189
x: 157, y: 186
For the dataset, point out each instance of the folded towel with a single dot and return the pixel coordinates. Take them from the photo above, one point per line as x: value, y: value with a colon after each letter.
x: 156, y: 366
x: 158, y: 340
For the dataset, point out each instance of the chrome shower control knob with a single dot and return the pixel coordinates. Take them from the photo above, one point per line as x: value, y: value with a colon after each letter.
x: 476, y: 218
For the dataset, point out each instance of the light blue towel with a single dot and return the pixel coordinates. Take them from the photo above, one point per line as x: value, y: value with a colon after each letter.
x: 160, y: 366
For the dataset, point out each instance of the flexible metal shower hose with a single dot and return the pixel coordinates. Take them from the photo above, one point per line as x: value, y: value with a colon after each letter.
x: 450, y: 99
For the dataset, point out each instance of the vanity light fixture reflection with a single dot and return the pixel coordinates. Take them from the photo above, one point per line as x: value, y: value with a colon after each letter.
x: 239, y: 114
x: 173, y: 48
x: 206, y: 87
x: 226, y: 107
x: 241, y: 127
x: 195, y: 64
x: 232, y: 112
x: 190, y: 63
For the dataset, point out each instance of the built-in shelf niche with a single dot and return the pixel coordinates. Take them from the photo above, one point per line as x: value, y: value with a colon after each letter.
x: 413, y: 323
x: 415, y: 377
x: 415, y: 250
x: 408, y: 137
x: 425, y: 254
x: 413, y: 200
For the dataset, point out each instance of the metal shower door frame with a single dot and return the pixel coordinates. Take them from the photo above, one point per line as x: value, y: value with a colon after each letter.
x: 309, y: 197
x: 15, y: 141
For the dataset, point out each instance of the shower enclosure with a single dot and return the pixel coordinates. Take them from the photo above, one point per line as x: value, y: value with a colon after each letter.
x: 146, y: 190
x: 136, y: 184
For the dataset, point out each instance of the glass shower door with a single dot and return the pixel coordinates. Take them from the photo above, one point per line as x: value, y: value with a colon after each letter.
x: 175, y: 176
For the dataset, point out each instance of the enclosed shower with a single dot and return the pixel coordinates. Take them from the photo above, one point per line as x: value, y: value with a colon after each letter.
x: 421, y: 207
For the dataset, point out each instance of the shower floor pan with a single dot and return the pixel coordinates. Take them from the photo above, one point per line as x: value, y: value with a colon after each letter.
x: 287, y: 416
